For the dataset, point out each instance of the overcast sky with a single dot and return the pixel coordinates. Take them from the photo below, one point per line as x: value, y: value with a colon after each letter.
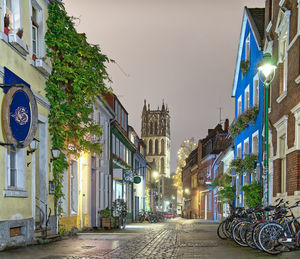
x: 182, y: 51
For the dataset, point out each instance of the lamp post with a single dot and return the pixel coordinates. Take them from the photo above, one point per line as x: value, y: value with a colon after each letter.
x: 266, y: 69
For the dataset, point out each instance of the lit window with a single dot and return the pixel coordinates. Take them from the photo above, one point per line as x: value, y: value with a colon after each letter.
x: 246, y: 99
x: 247, y: 51
x: 256, y: 91
x: 239, y: 106
x: 246, y: 147
x: 255, y: 144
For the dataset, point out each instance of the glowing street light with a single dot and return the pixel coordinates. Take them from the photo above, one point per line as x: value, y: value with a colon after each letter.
x: 155, y: 174
x: 267, y: 67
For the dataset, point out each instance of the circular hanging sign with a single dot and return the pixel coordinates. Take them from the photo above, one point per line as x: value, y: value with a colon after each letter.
x: 137, y: 180
x: 19, y: 116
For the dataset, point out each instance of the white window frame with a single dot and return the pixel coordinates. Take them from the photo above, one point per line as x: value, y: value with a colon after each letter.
x: 16, y: 8
x: 239, y: 106
x: 296, y: 112
x: 74, y: 191
x: 246, y: 141
x: 283, y: 31
x: 247, y: 99
x: 247, y: 48
x: 19, y: 190
x: 255, y: 134
x: 239, y: 148
x: 281, y: 129
x: 256, y: 86
x: 41, y: 49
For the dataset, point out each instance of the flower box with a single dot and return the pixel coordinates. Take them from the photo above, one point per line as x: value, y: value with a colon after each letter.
x: 18, y: 43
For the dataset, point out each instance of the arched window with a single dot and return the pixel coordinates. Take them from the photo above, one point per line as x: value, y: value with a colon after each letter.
x: 151, y: 127
x: 156, y: 146
x: 162, y: 166
x: 155, y: 128
x: 150, y: 147
x: 162, y: 147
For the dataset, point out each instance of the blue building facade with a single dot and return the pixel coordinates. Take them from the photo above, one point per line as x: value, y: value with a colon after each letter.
x: 248, y: 93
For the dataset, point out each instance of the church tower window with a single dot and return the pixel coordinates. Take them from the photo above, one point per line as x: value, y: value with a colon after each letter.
x: 156, y: 146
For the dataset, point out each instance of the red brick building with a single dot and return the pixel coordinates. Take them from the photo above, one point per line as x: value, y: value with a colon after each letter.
x: 197, y: 174
x: 283, y: 41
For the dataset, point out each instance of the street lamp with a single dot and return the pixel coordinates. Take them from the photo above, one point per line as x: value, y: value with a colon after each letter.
x: 187, y: 191
x: 266, y: 69
x: 33, y: 146
x: 55, y: 154
x: 155, y: 174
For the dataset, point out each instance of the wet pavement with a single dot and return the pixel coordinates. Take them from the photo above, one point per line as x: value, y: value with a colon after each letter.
x: 177, y: 238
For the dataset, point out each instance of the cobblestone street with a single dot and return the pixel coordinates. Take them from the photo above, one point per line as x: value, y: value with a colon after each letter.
x: 174, y: 239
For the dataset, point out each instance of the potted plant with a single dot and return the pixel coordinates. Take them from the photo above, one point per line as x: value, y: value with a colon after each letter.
x: 20, y: 33
x: 34, y: 57
x: 105, y: 217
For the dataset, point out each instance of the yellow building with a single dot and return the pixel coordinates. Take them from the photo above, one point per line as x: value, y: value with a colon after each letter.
x: 25, y: 177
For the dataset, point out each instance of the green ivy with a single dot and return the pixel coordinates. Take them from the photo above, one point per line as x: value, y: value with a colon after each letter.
x: 247, y: 164
x: 253, y: 194
x: 245, y: 64
x: 226, y: 191
x: 78, y: 77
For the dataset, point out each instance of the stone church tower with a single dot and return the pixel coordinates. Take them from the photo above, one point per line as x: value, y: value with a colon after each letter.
x: 156, y: 135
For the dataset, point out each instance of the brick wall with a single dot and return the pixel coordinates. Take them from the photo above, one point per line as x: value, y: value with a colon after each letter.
x: 293, y: 172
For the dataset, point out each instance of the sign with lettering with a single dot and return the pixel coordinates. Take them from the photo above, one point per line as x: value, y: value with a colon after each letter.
x: 128, y: 175
x: 19, y: 115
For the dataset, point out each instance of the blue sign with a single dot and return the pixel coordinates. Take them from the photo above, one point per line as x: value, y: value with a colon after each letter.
x: 10, y: 78
x: 20, y: 116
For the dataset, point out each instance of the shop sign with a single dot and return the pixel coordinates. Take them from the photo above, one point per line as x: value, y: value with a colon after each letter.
x: 117, y: 174
x: 19, y: 115
x: 128, y: 175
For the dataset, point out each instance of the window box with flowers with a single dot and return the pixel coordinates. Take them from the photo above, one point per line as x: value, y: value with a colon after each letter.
x: 243, y: 121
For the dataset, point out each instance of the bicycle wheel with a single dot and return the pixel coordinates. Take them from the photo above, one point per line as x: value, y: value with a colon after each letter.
x: 220, y: 230
x: 249, y: 236
x: 243, y: 230
x: 268, y: 238
x: 236, y: 233
x: 228, y: 228
x: 255, y: 233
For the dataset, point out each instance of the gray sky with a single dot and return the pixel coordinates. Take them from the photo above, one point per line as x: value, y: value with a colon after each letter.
x: 182, y: 51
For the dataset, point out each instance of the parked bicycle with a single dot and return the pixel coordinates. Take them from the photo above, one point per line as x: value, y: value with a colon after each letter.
x: 272, y: 229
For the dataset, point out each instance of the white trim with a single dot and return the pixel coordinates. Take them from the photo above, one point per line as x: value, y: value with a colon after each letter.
x: 281, y: 2
x: 255, y: 78
x: 283, y: 120
x: 255, y: 134
x: 281, y: 97
x: 15, y: 193
x: 297, y: 80
x: 247, y: 90
x: 269, y: 26
x: 244, y: 142
x: 41, y: 100
x: 293, y: 41
x: 296, y: 112
x: 240, y: 50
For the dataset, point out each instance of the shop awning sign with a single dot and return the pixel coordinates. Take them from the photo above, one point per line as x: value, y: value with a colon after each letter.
x: 19, y: 115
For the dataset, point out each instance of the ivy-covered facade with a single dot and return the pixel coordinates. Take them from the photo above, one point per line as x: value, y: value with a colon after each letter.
x: 248, y: 93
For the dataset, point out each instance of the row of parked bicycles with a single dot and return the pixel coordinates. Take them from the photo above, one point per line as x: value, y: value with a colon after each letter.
x: 272, y: 229
x: 152, y: 217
